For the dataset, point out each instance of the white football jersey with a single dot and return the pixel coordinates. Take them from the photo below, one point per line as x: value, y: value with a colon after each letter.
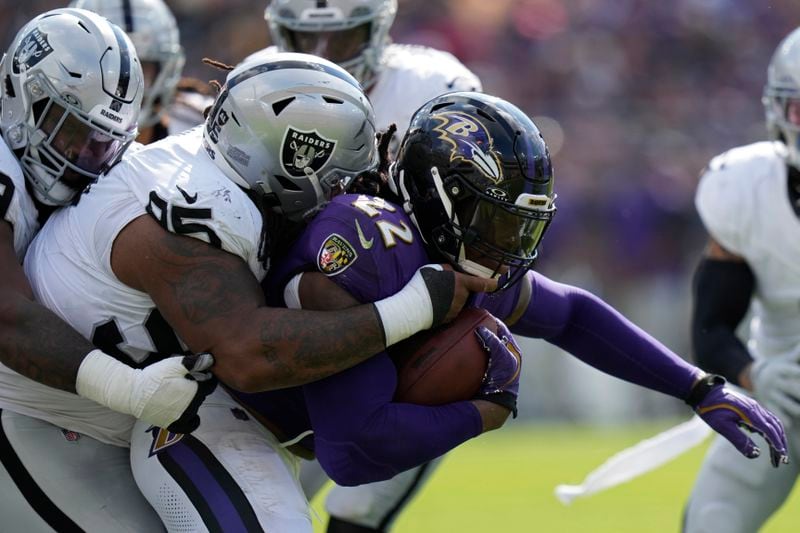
x: 411, y: 75
x: 744, y: 203
x: 16, y: 205
x: 18, y: 393
x: 69, y: 263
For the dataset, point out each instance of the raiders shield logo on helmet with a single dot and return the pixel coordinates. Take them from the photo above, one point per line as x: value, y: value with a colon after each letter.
x: 33, y: 48
x: 335, y: 255
x: 305, y: 149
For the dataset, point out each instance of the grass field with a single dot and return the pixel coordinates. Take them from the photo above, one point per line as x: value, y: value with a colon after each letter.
x: 503, y: 482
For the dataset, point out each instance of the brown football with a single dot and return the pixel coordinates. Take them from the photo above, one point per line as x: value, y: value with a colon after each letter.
x: 445, y: 364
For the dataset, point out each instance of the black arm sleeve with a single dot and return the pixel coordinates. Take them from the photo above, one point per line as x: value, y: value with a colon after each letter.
x: 722, y: 293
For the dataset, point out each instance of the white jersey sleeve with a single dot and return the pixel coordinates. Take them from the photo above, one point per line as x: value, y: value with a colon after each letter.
x: 16, y: 206
x: 726, y: 194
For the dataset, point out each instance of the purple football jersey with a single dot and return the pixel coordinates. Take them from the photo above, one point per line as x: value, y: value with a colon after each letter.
x: 368, y: 246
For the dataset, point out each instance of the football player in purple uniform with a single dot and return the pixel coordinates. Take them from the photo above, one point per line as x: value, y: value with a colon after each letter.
x: 473, y: 186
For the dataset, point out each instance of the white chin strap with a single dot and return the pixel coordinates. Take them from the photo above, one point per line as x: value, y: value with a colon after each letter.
x: 471, y: 267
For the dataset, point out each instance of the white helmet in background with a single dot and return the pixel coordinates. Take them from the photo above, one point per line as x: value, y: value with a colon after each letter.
x: 292, y: 128
x: 153, y: 30
x: 351, y: 33
x: 72, y: 90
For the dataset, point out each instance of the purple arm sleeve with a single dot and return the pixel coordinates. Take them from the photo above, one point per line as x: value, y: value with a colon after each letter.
x: 594, y: 332
x: 361, y: 436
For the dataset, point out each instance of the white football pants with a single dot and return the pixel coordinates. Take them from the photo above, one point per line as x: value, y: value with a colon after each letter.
x: 230, y: 474
x: 55, y: 480
x: 735, y: 494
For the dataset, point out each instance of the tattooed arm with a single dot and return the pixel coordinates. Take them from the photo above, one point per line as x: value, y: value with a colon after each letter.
x: 215, y: 304
x: 33, y: 341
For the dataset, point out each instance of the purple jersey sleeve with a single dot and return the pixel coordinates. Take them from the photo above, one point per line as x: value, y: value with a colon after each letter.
x: 594, y: 332
x: 365, y: 245
x: 371, y: 249
x: 362, y: 436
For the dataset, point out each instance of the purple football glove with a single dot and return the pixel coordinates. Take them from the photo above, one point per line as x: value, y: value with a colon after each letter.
x: 726, y: 411
x: 501, y: 382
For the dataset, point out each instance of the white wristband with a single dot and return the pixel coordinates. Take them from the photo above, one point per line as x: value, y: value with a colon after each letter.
x: 106, y: 381
x: 408, y: 311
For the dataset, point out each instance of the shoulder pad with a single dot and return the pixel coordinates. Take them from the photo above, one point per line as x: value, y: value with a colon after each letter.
x: 428, y: 70
x: 724, y: 197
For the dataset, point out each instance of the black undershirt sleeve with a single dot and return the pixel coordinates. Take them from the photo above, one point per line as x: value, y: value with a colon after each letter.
x: 722, y: 293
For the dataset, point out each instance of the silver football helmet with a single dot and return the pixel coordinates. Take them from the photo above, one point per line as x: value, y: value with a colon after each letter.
x: 293, y: 128
x: 153, y: 30
x: 72, y: 89
x: 782, y: 96
x: 351, y: 33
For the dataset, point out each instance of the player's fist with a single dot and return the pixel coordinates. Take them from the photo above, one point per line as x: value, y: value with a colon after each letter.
x: 434, y: 295
x: 501, y: 382
x: 168, y: 394
x: 165, y: 394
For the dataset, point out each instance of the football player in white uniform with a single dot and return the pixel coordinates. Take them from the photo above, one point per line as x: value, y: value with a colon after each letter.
x: 399, y: 79
x: 72, y: 88
x: 179, y: 234
x: 749, y: 201
x: 171, y: 104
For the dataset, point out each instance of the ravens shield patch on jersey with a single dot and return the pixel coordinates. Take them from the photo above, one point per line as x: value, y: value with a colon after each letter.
x: 335, y: 255
x: 305, y: 149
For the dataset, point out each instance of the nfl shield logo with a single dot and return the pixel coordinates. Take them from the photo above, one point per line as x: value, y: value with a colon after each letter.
x: 305, y: 149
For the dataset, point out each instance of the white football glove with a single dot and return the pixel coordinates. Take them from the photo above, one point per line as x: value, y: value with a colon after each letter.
x: 776, y: 384
x: 165, y: 394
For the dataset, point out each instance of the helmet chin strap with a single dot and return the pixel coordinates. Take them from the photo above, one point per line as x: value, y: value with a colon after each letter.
x: 476, y: 269
x: 407, y: 207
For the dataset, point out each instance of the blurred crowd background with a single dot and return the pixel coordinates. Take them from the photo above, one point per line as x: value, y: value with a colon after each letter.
x: 633, y: 96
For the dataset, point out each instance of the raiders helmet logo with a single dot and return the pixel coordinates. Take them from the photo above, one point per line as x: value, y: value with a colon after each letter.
x: 335, y: 255
x: 33, y: 48
x: 305, y: 149
x: 470, y: 141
